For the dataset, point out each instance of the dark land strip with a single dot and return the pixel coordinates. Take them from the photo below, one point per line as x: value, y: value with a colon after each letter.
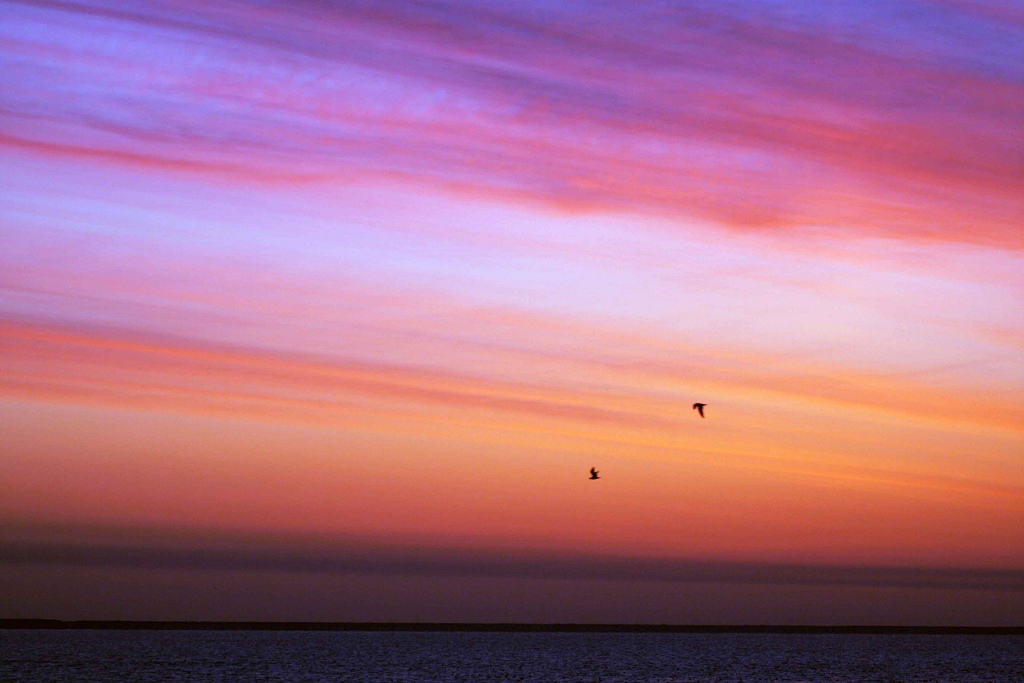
x: 57, y: 624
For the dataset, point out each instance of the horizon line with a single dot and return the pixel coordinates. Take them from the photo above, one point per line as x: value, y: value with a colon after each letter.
x: 497, y: 627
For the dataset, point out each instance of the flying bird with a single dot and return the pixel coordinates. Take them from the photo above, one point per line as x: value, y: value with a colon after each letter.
x: 593, y: 474
x: 699, y: 407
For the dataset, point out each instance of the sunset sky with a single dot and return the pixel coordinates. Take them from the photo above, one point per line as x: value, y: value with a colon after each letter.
x: 323, y: 310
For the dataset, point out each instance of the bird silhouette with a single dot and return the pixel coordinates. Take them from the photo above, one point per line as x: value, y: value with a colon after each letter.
x: 593, y: 474
x: 699, y: 407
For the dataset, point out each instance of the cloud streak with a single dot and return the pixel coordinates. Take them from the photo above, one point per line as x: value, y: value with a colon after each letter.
x: 126, y: 367
x: 737, y: 115
x: 432, y: 561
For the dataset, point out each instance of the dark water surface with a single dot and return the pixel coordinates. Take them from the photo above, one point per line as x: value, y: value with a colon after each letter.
x: 84, y: 656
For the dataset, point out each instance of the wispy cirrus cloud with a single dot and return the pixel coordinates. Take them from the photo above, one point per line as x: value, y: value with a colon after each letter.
x: 746, y: 116
x: 586, y: 386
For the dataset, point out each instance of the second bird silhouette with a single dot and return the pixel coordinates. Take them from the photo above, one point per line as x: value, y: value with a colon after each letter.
x: 593, y: 474
x: 699, y: 407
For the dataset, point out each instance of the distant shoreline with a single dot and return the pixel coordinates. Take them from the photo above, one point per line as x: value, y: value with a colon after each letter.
x: 57, y: 624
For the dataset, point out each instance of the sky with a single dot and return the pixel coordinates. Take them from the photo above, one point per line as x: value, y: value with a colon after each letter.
x: 317, y: 310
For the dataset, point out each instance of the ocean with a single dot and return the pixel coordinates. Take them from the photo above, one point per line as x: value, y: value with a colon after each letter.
x: 124, y: 656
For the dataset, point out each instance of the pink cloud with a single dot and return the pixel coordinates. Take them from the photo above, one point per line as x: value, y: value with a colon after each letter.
x: 745, y: 123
